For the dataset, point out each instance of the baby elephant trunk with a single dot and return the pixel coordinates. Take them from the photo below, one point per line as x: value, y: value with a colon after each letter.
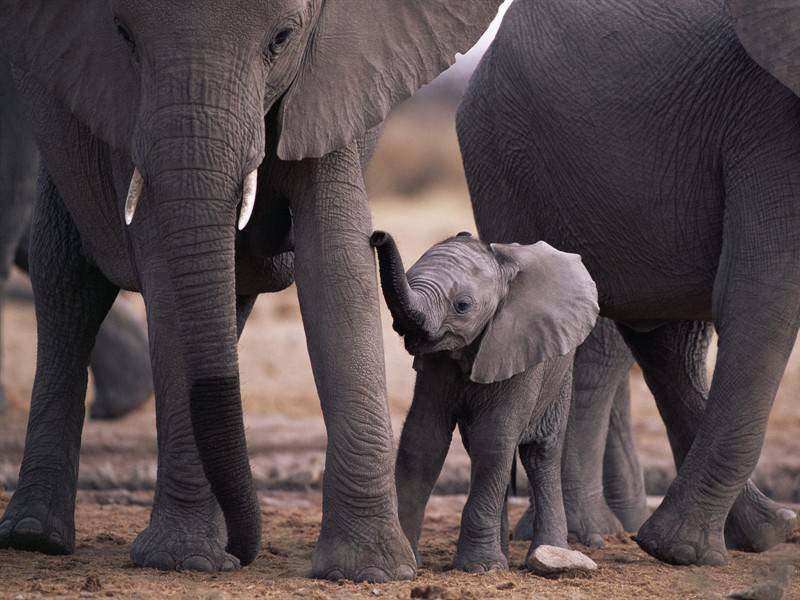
x: 403, y: 302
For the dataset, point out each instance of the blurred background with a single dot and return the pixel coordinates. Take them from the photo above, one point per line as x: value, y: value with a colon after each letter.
x: 418, y: 193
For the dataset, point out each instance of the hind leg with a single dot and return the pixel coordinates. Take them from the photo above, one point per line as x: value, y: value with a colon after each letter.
x: 623, y: 480
x: 602, y: 363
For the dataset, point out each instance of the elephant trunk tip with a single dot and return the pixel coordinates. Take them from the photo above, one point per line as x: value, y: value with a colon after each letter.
x: 378, y: 239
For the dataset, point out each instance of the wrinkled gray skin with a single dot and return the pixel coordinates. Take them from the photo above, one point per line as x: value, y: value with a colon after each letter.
x: 504, y: 391
x: 120, y: 362
x: 642, y: 136
x: 195, y: 96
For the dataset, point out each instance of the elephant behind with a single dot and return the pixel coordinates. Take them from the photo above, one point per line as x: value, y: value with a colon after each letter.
x: 642, y: 136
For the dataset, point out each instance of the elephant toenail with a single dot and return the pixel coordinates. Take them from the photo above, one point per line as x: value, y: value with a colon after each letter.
x: 334, y: 575
x: 160, y: 560
x: 474, y: 568
x: 787, y: 515
x: 596, y: 541
x: 406, y: 573
x: 684, y: 554
x: 29, y: 526
x: 197, y: 563
x: 714, y: 558
x: 230, y: 564
x: 372, y: 575
x: 6, y: 527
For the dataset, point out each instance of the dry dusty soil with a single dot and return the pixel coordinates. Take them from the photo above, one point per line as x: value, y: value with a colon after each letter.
x: 287, y: 442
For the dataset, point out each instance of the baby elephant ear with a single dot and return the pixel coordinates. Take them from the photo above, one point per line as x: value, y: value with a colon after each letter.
x: 551, y: 307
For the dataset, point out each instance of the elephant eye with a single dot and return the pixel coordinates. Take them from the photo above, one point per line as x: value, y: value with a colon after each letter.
x: 280, y: 40
x: 126, y: 35
x: 462, y: 306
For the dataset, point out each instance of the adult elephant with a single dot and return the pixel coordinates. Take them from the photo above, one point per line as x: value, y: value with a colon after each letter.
x: 119, y: 362
x: 197, y: 112
x: 641, y: 135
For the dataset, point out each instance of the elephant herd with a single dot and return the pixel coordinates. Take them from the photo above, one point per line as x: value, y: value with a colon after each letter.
x: 203, y: 153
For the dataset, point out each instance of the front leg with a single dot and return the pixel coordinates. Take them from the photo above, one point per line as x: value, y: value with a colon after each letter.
x: 361, y: 538
x: 425, y: 440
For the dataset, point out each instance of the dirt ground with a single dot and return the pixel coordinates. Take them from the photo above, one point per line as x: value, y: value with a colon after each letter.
x: 101, y: 567
x: 287, y: 440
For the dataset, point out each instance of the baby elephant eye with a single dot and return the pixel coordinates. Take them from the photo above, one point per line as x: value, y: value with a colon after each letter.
x: 280, y: 40
x: 462, y: 306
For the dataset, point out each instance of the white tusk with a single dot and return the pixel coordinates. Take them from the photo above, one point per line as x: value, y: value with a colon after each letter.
x: 134, y: 194
x: 248, y: 199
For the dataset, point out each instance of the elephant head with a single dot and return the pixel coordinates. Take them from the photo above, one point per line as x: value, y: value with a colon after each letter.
x: 183, y: 88
x: 768, y: 31
x: 519, y: 305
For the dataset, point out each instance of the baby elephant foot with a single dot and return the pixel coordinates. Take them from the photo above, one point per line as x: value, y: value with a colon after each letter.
x: 524, y: 527
x: 756, y: 523
x: 176, y: 548
x: 589, y: 521
x: 679, y: 537
x: 555, y: 560
x: 479, y: 559
x: 376, y: 557
x: 32, y: 527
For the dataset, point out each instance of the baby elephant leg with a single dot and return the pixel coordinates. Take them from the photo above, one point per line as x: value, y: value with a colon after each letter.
x: 480, y: 543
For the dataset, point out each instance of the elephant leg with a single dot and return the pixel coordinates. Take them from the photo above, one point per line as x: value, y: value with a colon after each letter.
x: 542, y: 461
x: 72, y: 298
x: 480, y: 540
x: 755, y: 302
x: 623, y: 480
x: 360, y: 537
x: 602, y: 362
x: 120, y: 364
x: 673, y: 359
x: 186, y: 530
x: 426, y: 437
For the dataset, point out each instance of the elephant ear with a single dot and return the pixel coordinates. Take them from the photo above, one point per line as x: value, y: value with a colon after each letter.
x: 364, y: 57
x: 551, y: 307
x: 768, y: 30
x: 72, y: 48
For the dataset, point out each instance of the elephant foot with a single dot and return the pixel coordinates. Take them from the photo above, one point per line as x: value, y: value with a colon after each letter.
x: 679, y: 537
x: 182, y: 545
x: 32, y: 526
x: 756, y: 523
x: 524, y: 527
x: 589, y: 521
x: 479, y: 559
x: 112, y: 403
x: 374, y: 556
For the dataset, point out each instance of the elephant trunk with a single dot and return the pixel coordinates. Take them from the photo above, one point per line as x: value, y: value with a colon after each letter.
x: 195, y: 193
x: 403, y: 302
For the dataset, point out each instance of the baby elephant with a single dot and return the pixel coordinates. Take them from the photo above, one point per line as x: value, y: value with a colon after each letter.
x: 492, y: 329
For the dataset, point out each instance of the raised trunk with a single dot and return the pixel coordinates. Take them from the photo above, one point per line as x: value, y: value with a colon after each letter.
x: 403, y: 302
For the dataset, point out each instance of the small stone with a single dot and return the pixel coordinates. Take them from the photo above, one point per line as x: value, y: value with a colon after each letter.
x: 19, y: 597
x: 85, y: 594
x: 552, y: 560
x: 508, y: 585
x: 375, y: 592
x: 92, y: 584
x: 765, y: 590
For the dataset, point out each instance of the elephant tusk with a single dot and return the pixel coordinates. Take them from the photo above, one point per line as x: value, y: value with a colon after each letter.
x: 134, y: 194
x: 248, y: 199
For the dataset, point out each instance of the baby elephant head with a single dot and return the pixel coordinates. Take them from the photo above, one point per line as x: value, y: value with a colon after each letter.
x: 524, y: 304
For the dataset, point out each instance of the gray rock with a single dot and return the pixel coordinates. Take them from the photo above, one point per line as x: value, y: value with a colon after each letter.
x: 551, y: 560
